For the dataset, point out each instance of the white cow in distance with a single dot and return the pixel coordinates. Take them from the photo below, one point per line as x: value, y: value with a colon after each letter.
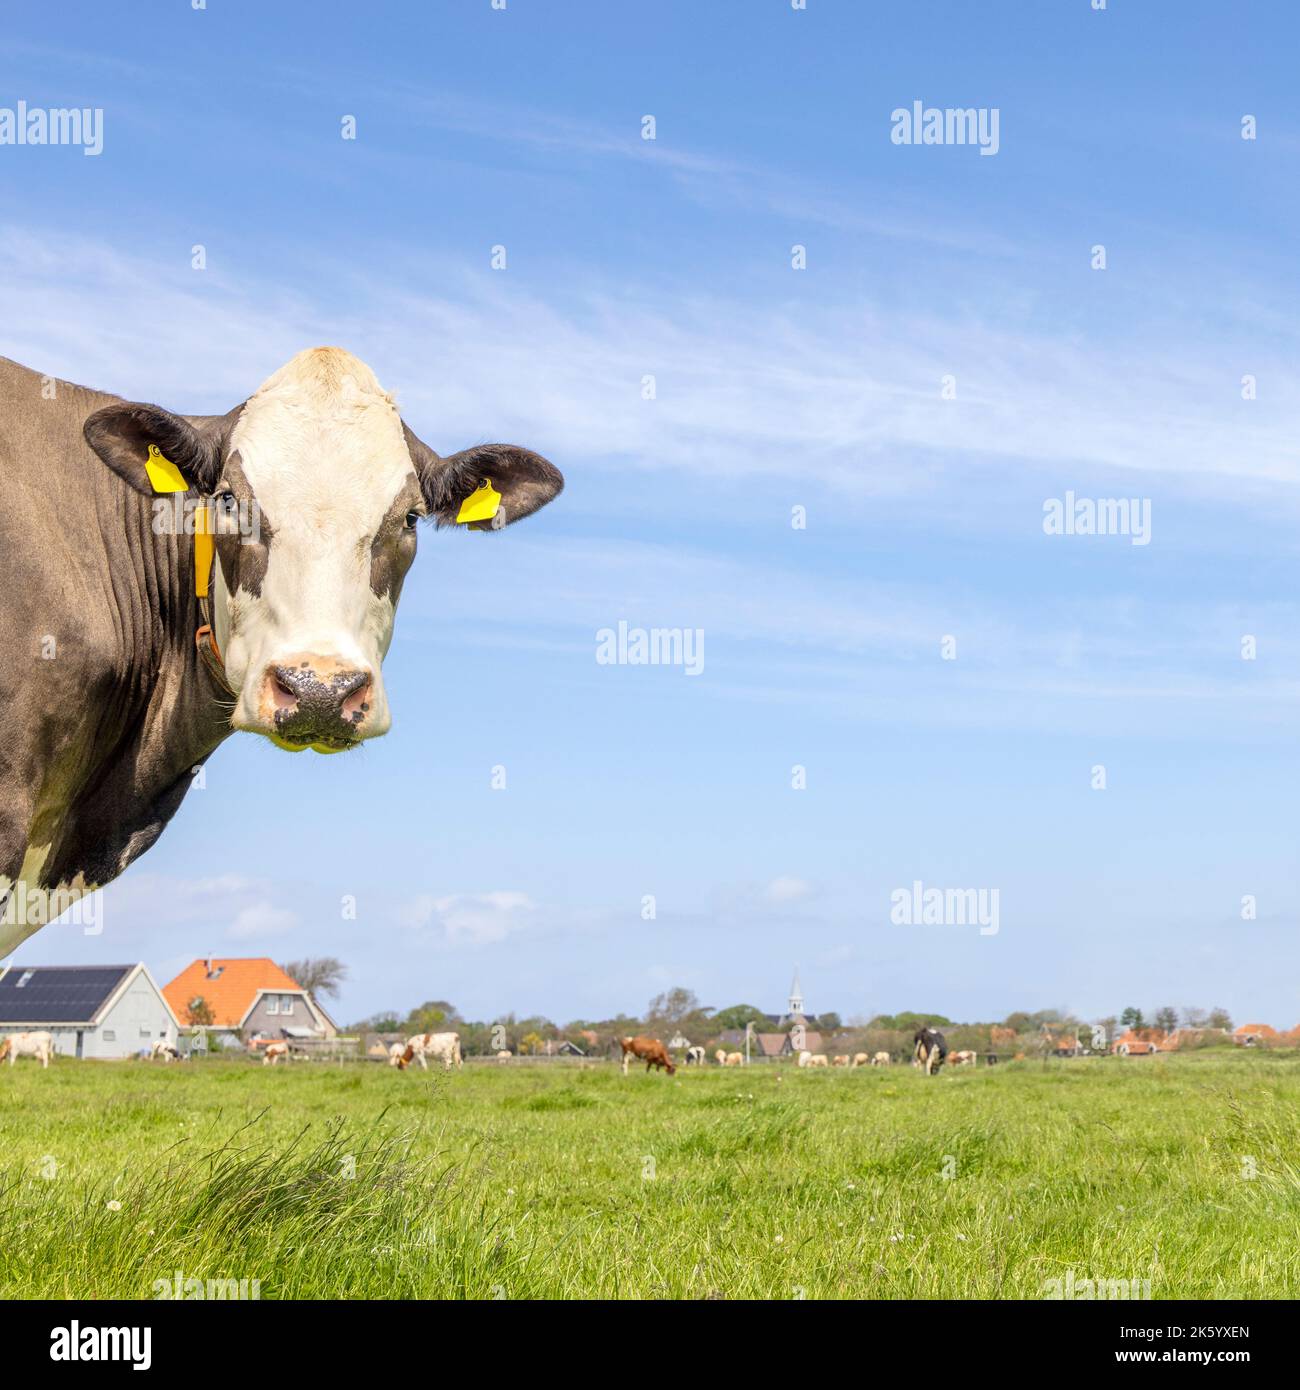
x: 38, y: 1045
x: 274, y: 1051
x: 442, y: 1047
x: 881, y: 1059
x: 504, y: 1055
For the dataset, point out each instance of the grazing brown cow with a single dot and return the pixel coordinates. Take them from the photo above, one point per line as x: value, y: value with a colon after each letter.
x: 648, y: 1050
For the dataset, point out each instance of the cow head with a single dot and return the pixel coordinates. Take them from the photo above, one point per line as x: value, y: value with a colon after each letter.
x: 316, y: 488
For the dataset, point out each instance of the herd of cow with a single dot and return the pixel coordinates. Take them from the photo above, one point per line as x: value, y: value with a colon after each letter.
x: 929, y: 1050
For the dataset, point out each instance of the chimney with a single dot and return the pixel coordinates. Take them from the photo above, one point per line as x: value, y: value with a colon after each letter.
x: 207, y: 967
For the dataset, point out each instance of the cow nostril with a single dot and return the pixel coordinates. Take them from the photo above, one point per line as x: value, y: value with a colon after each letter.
x: 356, y: 702
x: 282, y: 691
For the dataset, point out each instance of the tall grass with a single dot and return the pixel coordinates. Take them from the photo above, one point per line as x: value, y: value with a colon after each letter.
x: 528, y: 1181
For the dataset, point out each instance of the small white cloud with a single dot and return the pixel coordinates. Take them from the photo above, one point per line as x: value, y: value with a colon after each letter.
x: 261, y: 919
x: 788, y: 890
x: 475, y: 919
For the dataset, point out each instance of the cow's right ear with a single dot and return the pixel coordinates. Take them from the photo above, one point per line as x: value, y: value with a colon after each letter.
x: 122, y: 435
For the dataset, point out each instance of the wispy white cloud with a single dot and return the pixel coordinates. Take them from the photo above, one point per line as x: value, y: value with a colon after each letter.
x: 847, y: 394
x: 787, y: 889
x: 261, y: 920
x: 470, y: 919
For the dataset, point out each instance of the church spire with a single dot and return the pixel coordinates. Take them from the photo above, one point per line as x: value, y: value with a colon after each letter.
x: 796, y: 994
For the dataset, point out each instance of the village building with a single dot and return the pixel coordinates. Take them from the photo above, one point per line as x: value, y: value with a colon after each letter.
x: 94, y: 1011
x: 234, y: 1002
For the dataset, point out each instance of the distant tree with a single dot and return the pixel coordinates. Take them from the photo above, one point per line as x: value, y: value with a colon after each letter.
x: 830, y: 1022
x: 318, y: 975
x: 673, y: 1005
x: 1220, y: 1018
x: 198, y: 1012
x: 909, y: 1021
x: 1195, y: 1018
x: 532, y: 1042
x: 1167, y: 1019
x: 736, y: 1017
x: 1132, y: 1018
x: 432, y: 1015
x: 380, y: 1023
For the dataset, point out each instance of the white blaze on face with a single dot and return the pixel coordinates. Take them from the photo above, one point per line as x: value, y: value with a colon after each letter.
x: 322, y: 448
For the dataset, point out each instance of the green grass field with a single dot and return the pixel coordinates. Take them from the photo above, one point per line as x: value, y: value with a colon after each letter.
x: 546, y: 1181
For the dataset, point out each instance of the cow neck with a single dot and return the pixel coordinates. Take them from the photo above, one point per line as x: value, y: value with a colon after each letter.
x: 158, y: 713
x: 212, y: 623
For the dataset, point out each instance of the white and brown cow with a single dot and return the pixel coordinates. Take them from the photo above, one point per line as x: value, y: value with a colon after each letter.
x: 132, y: 649
x: 39, y: 1045
x: 274, y: 1053
x: 442, y: 1047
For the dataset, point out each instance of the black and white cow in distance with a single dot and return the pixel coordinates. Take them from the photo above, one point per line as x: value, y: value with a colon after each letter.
x: 930, y: 1048
x: 107, y: 703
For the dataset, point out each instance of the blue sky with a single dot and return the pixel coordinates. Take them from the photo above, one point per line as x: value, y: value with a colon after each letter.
x: 775, y: 388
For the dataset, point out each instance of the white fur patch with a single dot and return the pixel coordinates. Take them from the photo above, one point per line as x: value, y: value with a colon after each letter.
x: 25, y: 908
x: 322, y: 446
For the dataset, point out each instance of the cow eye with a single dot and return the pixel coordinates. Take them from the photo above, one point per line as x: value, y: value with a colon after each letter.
x: 226, y: 503
x: 412, y: 517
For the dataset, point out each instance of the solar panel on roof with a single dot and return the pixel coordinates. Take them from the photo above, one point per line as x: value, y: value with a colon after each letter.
x: 57, y: 994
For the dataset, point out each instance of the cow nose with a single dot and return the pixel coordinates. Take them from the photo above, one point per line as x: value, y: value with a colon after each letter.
x: 317, y: 699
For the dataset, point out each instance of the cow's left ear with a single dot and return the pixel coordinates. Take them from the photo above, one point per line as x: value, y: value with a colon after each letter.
x: 122, y: 435
x: 525, y: 480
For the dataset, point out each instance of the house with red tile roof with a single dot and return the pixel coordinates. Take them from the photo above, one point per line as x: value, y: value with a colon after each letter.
x: 238, y: 1000
x: 1141, y: 1042
x: 1256, y: 1035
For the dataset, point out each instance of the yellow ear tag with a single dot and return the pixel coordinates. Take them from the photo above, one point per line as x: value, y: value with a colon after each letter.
x: 163, y: 473
x: 482, y: 505
x: 202, y: 551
